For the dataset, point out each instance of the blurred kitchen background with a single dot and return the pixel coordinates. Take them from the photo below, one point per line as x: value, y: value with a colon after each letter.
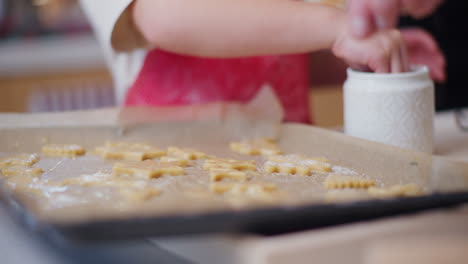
x: 50, y: 61
x: 49, y: 58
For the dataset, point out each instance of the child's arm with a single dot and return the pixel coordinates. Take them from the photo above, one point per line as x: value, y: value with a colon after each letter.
x: 234, y: 28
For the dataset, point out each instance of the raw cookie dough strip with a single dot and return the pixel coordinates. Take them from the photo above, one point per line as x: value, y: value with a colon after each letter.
x: 147, y: 169
x: 12, y: 171
x: 63, y: 150
x: 296, y: 164
x: 242, y: 188
x: 396, y: 191
x: 186, y: 153
x: 23, y: 183
x: 179, y: 161
x: 218, y: 174
x: 20, y: 160
x: 337, y: 181
x: 139, y: 195
x: 98, y: 178
x: 130, y: 189
x: 287, y: 168
x: 241, y: 165
x: 129, y: 151
x: 135, y: 190
x: 18, y: 170
x: 260, y: 146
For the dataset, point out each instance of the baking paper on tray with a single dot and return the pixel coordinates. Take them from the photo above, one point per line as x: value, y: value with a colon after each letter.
x: 210, y: 128
x: 388, y: 165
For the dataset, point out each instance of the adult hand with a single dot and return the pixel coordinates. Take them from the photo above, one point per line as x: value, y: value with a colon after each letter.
x: 423, y: 49
x: 368, y: 16
x: 382, y: 52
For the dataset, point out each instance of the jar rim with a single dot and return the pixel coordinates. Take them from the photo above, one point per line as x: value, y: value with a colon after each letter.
x: 416, y: 71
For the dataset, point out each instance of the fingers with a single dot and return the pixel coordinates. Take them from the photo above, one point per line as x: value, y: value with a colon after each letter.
x: 421, y: 37
x: 400, y: 62
x: 440, y: 74
x: 380, y: 56
x: 359, y: 67
x: 396, y: 62
x: 436, y: 63
x: 381, y: 63
x: 367, y: 16
x: 420, y: 8
x: 385, y: 13
x: 361, y: 19
x: 383, y: 52
x: 390, y: 55
x: 437, y: 70
x: 404, y: 57
x: 423, y: 49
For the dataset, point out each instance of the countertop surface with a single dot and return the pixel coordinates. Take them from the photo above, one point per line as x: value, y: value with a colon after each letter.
x: 20, y: 246
x: 50, y: 55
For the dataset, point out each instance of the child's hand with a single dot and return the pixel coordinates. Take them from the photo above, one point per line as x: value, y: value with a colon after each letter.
x: 382, y: 52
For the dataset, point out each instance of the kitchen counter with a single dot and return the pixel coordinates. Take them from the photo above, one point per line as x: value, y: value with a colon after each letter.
x: 450, y: 140
x: 440, y: 233
x: 50, y: 55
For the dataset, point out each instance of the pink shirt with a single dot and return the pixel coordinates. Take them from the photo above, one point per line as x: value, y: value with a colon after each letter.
x: 171, y: 79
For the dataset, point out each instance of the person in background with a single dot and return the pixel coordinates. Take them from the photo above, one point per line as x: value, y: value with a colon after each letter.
x: 175, y: 52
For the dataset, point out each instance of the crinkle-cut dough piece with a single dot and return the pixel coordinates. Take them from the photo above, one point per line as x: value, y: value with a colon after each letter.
x: 200, y: 194
x: 241, y: 165
x: 180, y: 161
x: 133, y: 190
x: 338, y: 181
x: 129, y: 151
x: 345, y: 195
x: 63, y: 150
x: 260, y: 146
x: 28, y: 185
x: 28, y: 189
x: 147, y: 169
x: 139, y: 195
x: 287, y: 168
x: 22, y: 182
x: 296, y: 158
x: 254, y: 189
x: 259, y: 190
x: 19, y: 160
x: 296, y: 164
x: 399, y: 190
x: 12, y: 171
x: 97, y: 178
x: 126, y: 183
x: 101, y: 179
x: 218, y: 174
x: 186, y: 153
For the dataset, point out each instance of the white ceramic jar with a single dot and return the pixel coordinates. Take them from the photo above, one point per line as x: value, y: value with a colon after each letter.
x: 395, y: 109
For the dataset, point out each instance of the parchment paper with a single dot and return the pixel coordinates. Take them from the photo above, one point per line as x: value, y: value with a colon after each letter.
x: 208, y: 128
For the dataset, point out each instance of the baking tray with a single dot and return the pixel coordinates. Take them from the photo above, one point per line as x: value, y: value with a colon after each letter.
x: 271, y: 221
x: 220, y: 123
x: 447, y: 179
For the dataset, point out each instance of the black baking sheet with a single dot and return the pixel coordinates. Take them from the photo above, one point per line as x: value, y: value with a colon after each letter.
x: 271, y: 221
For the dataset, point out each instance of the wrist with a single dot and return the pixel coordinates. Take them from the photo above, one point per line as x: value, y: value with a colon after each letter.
x: 339, y: 26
